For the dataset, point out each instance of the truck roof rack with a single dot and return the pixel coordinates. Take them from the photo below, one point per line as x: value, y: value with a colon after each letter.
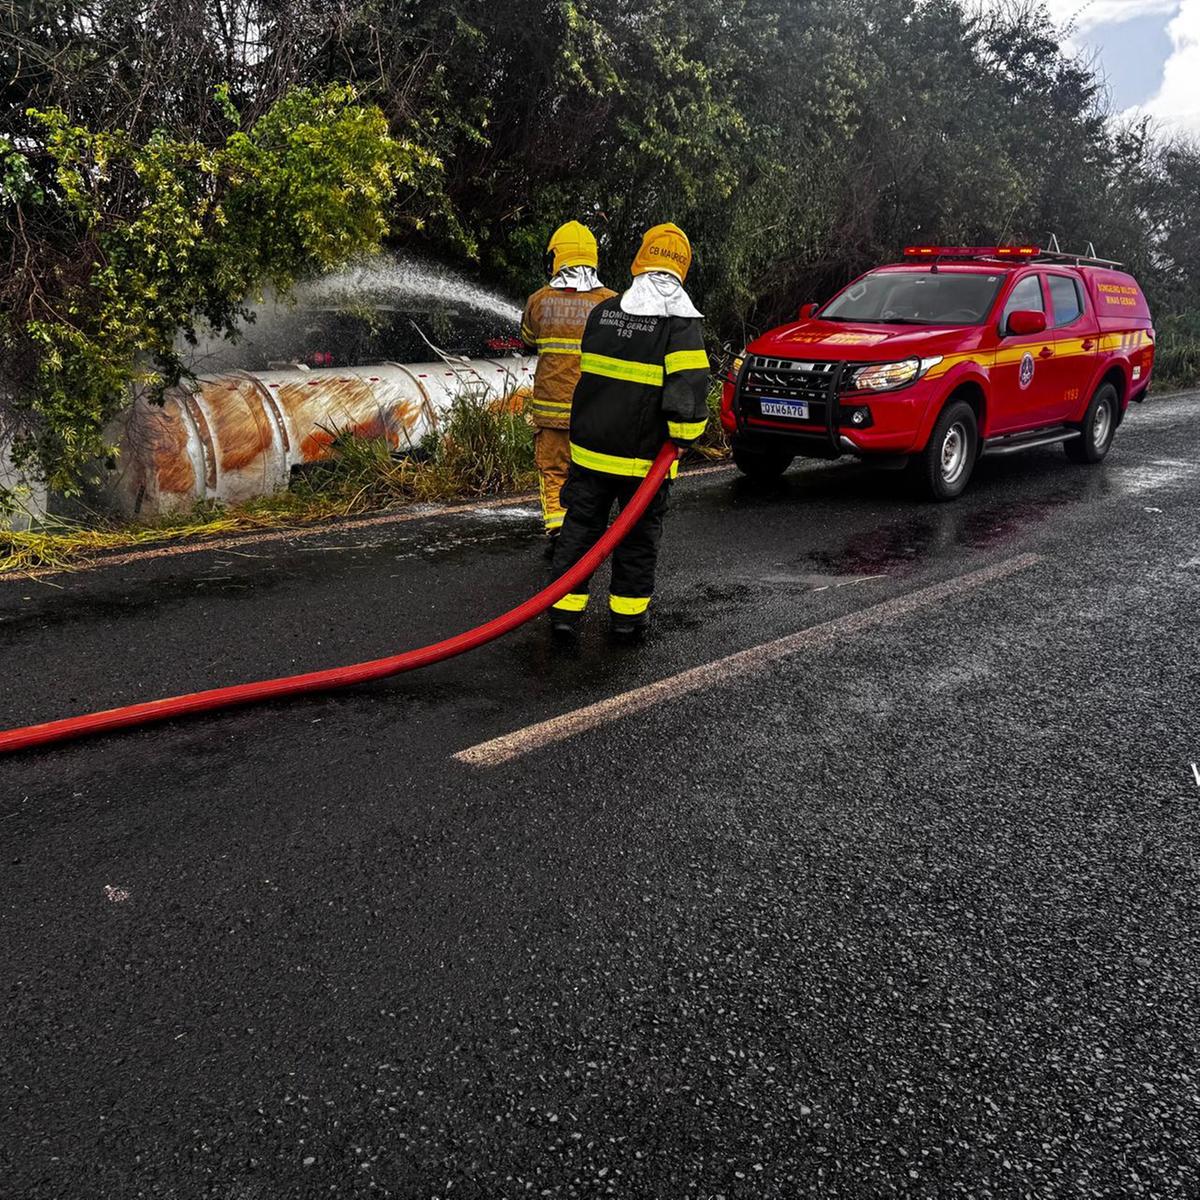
x: 1079, y: 260
x: 1055, y: 253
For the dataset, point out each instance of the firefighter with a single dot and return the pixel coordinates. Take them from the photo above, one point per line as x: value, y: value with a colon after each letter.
x: 644, y: 379
x: 552, y: 325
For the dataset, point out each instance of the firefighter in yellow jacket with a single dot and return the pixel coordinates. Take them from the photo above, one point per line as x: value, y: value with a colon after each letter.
x: 644, y: 379
x: 553, y: 325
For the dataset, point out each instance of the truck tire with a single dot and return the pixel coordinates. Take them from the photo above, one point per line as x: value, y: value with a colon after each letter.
x: 944, y: 467
x: 763, y: 465
x: 1099, y: 426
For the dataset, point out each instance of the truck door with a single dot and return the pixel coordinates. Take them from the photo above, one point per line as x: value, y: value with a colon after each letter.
x: 1076, y: 344
x: 1023, y: 392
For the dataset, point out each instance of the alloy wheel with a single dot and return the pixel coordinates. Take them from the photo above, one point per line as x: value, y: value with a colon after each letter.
x: 954, y: 453
x: 1101, y: 425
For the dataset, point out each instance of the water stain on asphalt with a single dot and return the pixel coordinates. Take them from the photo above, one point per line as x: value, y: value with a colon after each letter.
x: 132, y: 601
x: 1136, y: 480
x: 816, y: 582
x: 898, y: 548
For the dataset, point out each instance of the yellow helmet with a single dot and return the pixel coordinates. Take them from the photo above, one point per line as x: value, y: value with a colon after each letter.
x: 572, y: 245
x: 664, y: 248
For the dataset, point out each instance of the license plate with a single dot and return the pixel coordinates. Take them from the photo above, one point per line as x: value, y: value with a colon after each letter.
x: 797, y: 410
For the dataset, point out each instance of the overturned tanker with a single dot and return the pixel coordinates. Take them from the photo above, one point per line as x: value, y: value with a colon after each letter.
x: 238, y: 435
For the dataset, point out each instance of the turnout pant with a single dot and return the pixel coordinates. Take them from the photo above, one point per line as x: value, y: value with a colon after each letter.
x: 588, y: 498
x: 552, y: 455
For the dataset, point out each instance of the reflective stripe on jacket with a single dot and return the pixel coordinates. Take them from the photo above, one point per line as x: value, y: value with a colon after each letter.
x: 643, y: 380
x: 552, y: 324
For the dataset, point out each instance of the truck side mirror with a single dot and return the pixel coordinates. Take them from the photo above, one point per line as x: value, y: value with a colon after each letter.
x: 1025, y: 322
x: 807, y: 310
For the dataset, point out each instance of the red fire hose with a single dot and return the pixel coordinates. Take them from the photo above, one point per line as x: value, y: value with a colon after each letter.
x: 337, y: 677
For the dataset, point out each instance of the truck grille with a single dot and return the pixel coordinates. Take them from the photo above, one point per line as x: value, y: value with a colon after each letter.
x: 787, y: 379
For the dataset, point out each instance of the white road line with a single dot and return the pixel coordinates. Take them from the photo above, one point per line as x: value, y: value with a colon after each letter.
x: 522, y: 741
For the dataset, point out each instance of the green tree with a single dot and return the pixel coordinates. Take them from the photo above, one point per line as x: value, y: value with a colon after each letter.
x: 165, y: 233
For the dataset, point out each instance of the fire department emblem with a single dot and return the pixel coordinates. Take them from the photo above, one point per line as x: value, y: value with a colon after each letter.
x: 1026, y: 370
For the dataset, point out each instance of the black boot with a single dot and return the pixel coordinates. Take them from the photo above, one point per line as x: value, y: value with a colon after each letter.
x: 629, y: 629
x: 564, y: 627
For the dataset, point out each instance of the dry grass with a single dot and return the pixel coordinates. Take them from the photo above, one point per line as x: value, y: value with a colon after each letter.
x: 61, y: 544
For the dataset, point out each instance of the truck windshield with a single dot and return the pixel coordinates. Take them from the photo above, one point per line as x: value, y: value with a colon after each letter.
x: 916, y: 298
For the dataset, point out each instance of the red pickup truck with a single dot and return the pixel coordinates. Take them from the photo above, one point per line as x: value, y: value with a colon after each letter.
x: 954, y: 353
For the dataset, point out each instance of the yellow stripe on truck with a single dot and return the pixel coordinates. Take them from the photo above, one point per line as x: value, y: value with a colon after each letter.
x: 950, y: 361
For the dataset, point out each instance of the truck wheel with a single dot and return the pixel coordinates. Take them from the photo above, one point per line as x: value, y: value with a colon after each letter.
x: 943, y: 468
x: 1099, y: 425
x: 762, y: 464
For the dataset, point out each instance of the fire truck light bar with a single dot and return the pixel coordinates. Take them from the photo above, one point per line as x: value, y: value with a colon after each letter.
x: 972, y: 251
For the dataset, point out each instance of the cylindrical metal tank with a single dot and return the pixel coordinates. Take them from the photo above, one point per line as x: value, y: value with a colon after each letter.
x: 236, y: 436
x: 26, y: 495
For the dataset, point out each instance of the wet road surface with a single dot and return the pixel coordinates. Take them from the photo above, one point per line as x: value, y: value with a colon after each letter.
x: 874, y: 873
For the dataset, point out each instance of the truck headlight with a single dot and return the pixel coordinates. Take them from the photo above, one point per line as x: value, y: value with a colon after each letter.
x: 886, y: 377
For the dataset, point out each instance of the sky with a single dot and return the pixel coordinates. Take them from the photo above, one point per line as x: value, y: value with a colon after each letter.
x: 1149, y: 51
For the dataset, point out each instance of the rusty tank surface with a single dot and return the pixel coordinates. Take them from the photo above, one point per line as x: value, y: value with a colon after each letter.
x: 238, y: 435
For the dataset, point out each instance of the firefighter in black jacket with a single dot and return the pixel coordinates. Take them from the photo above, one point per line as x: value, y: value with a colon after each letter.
x: 644, y: 379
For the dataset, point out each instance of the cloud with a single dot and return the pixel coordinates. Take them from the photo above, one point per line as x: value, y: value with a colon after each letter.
x: 1085, y: 15
x: 1177, y: 102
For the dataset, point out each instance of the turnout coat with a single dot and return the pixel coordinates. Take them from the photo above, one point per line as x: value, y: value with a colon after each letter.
x: 643, y: 379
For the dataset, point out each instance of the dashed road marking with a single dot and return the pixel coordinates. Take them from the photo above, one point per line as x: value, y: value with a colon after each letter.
x: 533, y: 737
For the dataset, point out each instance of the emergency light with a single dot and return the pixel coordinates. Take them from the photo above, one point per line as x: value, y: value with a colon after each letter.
x: 972, y: 251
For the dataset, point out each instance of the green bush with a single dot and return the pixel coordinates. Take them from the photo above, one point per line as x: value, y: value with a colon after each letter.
x: 1177, y: 355
x: 482, y: 450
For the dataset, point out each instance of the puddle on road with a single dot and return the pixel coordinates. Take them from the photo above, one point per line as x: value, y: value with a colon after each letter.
x: 904, y: 534
x: 899, y: 547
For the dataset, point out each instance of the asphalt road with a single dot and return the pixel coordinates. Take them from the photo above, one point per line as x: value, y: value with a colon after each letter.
x: 906, y: 905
